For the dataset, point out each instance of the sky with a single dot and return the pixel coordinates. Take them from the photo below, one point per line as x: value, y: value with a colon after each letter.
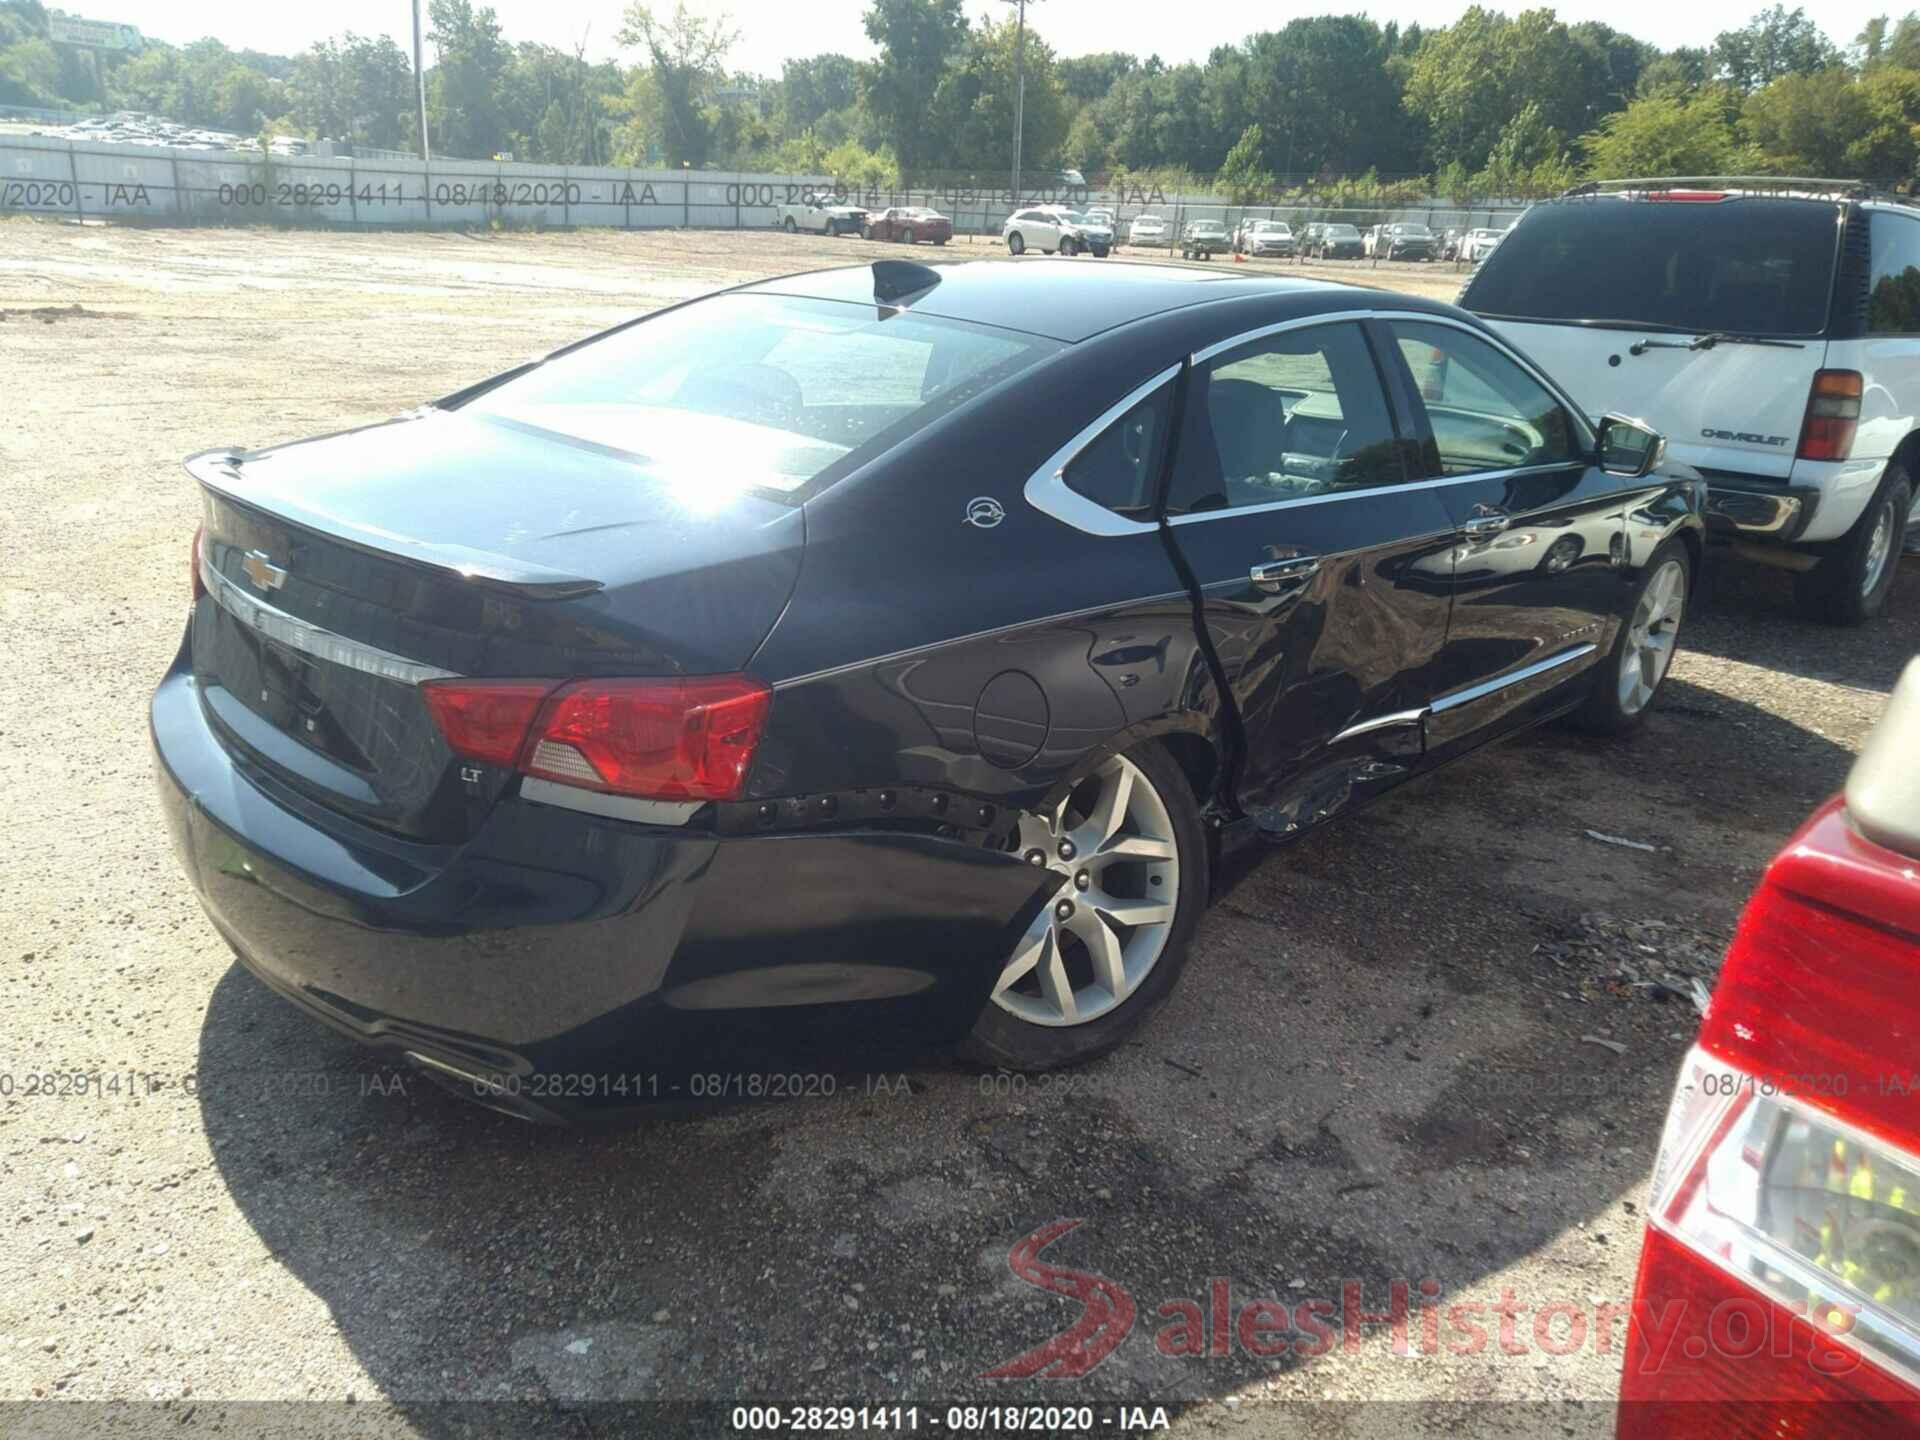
x: 772, y: 31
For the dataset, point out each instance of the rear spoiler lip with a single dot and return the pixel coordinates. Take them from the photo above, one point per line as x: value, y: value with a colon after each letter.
x: 219, y: 471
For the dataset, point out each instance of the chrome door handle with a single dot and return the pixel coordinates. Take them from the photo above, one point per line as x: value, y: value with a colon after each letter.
x: 1485, y: 521
x: 1278, y: 575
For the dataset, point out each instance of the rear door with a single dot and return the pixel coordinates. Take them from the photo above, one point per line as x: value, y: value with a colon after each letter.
x: 1537, y: 569
x: 1612, y: 296
x: 1323, y: 574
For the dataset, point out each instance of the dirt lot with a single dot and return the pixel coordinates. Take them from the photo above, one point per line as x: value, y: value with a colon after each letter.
x: 1374, y: 1070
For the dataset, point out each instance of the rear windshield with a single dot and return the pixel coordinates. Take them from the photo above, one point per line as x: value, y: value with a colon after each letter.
x: 1749, y: 267
x: 1342, y: 230
x: 762, y: 392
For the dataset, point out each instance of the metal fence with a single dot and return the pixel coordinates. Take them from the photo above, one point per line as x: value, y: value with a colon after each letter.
x: 86, y: 180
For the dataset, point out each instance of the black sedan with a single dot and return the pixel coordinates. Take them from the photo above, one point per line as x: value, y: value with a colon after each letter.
x: 874, y: 660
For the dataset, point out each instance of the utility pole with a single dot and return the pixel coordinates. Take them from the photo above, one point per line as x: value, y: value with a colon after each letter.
x: 1019, y: 93
x: 420, y: 82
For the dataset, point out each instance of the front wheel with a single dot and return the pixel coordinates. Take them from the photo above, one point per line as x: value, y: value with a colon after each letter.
x: 1851, y: 584
x: 792, y: 227
x: 1626, y: 682
x: 1129, y: 855
x: 1066, y: 245
x: 1017, y: 243
x: 906, y: 237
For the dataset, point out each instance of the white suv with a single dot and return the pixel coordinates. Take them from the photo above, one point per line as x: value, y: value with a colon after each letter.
x: 1053, y: 227
x: 1772, y: 334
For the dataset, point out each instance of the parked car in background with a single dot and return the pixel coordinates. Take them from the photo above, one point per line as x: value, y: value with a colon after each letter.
x: 910, y: 224
x: 1204, y: 239
x: 1100, y: 215
x: 797, y: 718
x: 1263, y: 237
x: 1787, y: 1188
x: 1330, y: 241
x: 1401, y: 240
x: 1476, y: 245
x: 1785, y: 366
x: 1052, y: 228
x: 822, y: 215
x: 1147, y: 230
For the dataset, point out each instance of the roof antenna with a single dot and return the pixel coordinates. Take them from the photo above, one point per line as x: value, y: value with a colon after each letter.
x: 896, y: 281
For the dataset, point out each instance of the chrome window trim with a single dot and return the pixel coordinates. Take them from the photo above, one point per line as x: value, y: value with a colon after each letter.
x: 1047, y: 490
x: 612, y: 807
x: 1528, y: 672
x: 310, y: 639
x: 1193, y: 517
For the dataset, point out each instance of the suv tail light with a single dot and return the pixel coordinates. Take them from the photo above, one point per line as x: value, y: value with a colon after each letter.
x: 666, y: 739
x: 1782, y: 1259
x: 1833, y: 413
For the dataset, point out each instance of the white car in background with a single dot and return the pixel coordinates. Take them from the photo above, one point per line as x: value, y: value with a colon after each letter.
x: 1147, y: 230
x: 1781, y: 365
x: 1263, y: 237
x: 1476, y: 245
x: 1054, y: 229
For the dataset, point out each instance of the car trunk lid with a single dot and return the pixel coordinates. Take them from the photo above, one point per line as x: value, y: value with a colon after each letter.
x: 343, y: 572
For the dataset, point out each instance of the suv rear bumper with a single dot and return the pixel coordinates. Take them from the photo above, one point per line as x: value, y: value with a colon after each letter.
x: 1755, y: 508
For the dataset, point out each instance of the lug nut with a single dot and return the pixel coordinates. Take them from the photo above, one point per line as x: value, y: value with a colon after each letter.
x: 1036, y: 857
x: 1082, y: 880
x: 1067, y: 852
x: 1064, y: 910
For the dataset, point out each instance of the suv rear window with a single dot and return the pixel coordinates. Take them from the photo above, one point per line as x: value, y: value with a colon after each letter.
x: 1751, y: 267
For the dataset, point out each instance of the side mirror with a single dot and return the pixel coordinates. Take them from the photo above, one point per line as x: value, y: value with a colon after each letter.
x: 1630, y: 447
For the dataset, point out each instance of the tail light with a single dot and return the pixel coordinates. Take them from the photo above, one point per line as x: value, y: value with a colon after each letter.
x: 1833, y: 414
x: 193, y: 564
x: 665, y: 739
x: 1779, y: 1289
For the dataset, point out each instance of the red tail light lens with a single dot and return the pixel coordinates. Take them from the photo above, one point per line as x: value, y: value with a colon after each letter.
x: 486, y: 719
x: 1833, y: 414
x: 193, y: 563
x: 690, y: 739
x: 665, y: 739
x: 1781, y: 1275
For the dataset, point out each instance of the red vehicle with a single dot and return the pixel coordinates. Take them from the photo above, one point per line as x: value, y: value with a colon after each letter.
x: 1779, y: 1286
x: 909, y: 223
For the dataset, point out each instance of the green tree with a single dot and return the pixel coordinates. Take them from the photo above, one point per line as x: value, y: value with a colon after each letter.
x: 973, y: 104
x: 1242, y: 177
x: 1086, y: 78
x: 686, y: 53
x: 814, y: 87
x: 464, y: 89
x: 1832, y: 123
x: 1775, y: 42
x: 917, y: 39
x: 1663, y: 134
x: 1469, y: 81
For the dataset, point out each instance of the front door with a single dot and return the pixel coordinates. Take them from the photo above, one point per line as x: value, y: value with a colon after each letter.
x: 1323, y: 574
x: 1539, y: 565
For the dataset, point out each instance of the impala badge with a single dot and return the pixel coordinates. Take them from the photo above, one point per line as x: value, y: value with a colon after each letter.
x: 985, y: 512
x: 264, y: 574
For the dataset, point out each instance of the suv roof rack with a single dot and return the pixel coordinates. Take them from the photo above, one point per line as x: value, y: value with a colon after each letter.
x: 1784, y: 185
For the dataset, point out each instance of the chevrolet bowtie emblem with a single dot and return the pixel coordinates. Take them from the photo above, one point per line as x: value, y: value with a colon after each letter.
x: 264, y: 574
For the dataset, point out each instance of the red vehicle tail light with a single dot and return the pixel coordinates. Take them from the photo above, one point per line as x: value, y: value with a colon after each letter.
x: 660, y: 739
x: 1687, y: 195
x: 1833, y: 414
x: 1780, y: 1282
x: 193, y: 563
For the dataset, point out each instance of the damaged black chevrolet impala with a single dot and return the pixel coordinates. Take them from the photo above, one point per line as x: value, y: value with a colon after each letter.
x: 874, y: 661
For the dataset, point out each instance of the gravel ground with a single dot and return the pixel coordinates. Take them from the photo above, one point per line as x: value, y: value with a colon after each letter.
x: 1374, y: 1070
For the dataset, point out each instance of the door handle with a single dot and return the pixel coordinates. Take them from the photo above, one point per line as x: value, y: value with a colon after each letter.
x: 1485, y: 521
x: 1278, y: 575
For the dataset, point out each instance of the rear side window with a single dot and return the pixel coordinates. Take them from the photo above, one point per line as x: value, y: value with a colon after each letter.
x: 1294, y: 414
x: 1750, y: 267
x: 1894, y: 306
x: 1117, y: 470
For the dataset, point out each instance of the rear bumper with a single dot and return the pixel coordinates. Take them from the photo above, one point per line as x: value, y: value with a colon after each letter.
x: 580, y: 964
x: 1758, y: 510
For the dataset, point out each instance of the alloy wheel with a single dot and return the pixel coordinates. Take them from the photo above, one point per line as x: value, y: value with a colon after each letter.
x: 1879, y: 550
x: 1093, y: 945
x: 1651, y: 636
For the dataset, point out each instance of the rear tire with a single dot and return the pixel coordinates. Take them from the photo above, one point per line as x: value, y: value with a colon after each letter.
x: 1851, y: 583
x: 792, y: 228
x: 1022, y: 1026
x: 906, y: 237
x: 1017, y: 243
x: 1626, y: 682
x: 1067, y: 247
